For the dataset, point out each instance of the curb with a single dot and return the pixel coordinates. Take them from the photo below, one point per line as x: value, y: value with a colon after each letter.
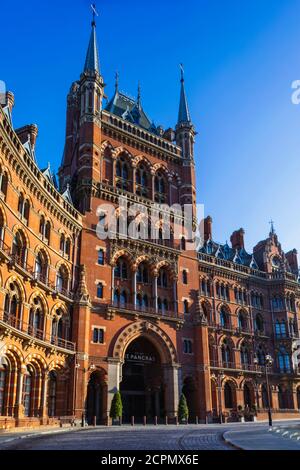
x: 229, y: 442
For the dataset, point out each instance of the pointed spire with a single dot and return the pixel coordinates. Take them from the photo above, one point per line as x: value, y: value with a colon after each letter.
x: 117, y: 82
x: 92, y: 57
x: 184, y: 114
x: 272, y: 231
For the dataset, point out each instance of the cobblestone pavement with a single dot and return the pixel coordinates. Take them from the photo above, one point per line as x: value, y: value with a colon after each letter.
x: 164, y: 438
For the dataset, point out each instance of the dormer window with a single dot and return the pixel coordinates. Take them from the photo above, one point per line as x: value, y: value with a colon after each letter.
x: 276, y: 262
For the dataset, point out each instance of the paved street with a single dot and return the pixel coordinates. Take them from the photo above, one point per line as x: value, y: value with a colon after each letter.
x: 209, y: 437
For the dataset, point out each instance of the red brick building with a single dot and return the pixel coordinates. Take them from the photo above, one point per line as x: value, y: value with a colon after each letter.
x: 147, y: 314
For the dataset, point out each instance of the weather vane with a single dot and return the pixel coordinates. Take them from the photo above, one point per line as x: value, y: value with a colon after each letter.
x: 95, y: 13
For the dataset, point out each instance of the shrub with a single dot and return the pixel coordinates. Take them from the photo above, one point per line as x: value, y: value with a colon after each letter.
x: 183, y: 411
x: 116, y: 408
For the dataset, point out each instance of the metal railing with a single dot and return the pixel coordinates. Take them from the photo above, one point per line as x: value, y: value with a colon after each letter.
x: 27, y: 328
x: 236, y: 366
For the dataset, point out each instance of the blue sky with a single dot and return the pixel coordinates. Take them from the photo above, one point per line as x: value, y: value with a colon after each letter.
x: 240, y: 58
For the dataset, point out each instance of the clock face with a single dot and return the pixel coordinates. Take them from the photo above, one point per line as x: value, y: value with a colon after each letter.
x: 276, y: 262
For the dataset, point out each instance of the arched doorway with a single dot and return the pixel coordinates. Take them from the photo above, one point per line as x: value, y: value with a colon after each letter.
x: 142, y: 387
x: 94, y: 402
x: 248, y: 396
x: 189, y: 391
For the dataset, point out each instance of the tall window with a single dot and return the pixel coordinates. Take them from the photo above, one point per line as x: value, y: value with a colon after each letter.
x: 62, y: 279
x: 101, y: 257
x: 141, y: 181
x: 143, y: 274
x: 3, y: 182
x: 27, y: 391
x: 41, y: 267
x: 52, y: 389
x: 160, y: 188
x: 226, y: 353
x: 280, y: 329
x: 243, y: 324
x: 224, y: 318
x: 245, y: 355
x: 185, y: 306
x: 259, y: 323
x: 3, y: 377
x: 100, y: 290
x: 228, y: 396
x: 23, y: 207
x: 121, y: 270
x: 283, y: 360
x: 19, y: 249
x: 122, y: 173
x: 45, y: 228
x: 184, y: 277
x: 162, y: 280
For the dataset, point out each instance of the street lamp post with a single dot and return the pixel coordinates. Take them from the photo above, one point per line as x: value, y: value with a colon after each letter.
x: 268, y: 362
x: 220, y: 377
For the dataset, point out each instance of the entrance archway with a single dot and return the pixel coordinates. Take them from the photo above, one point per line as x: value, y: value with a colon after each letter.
x: 189, y: 391
x: 142, y: 386
x: 94, y: 401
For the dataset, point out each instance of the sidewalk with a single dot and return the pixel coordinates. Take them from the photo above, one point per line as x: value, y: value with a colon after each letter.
x: 262, y: 439
x: 10, y: 436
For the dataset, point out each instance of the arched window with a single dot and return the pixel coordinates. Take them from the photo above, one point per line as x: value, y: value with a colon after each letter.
x: 248, y: 398
x: 1, y: 229
x: 141, y: 181
x: 62, y: 280
x: 41, y: 268
x: 259, y: 323
x: 19, y: 249
x: 23, y: 207
x: 62, y: 243
x: 121, y: 270
x: 143, y: 274
x: 101, y: 257
x: 100, y: 290
x: 228, y: 395
x: 116, y: 297
x: 261, y: 356
x: 36, y: 319
x: 245, y: 355
x: 283, y: 359
x: 185, y: 306
x: 68, y: 247
x: 27, y: 391
x: 243, y: 323
x: 226, y: 354
x: 3, y: 182
x: 183, y: 244
x: 224, y: 318
x: 13, y: 305
x: 3, y: 381
x: 122, y: 173
x: 162, y: 280
x: 184, y: 277
x: 52, y: 388
x: 280, y: 329
x: 160, y: 188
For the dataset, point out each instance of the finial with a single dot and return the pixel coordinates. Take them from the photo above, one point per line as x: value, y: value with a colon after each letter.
x: 95, y: 13
x: 117, y: 81
x: 182, y: 73
x: 272, y: 227
x: 139, y: 95
x: 49, y: 166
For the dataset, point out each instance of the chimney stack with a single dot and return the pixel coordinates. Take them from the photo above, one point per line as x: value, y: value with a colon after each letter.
x: 207, y: 228
x: 292, y: 259
x: 28, y: 133
x: 10, y: 100
x: 237, y: 239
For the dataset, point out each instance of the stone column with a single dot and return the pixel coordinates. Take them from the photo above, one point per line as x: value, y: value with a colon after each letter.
x: 152, y: 186
x: 134, y: 288
x: 114, y: 163
x: 113, y: 381
x: 44, y: 396
x: 19, y: 405
x: 171, y: 380
x: 112, y: 283
x: 175, y: 295
x: 134, y: 179
x: 155, y: 293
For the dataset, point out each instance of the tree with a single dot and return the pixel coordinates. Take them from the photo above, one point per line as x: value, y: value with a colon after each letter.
x: 116, y: 406
x: 183, y: 411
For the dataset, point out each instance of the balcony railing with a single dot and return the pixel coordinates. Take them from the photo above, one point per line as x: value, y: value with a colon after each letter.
x: 30, y: 330
x: 143, y: 309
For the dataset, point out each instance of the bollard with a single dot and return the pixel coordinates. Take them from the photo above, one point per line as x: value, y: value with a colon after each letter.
x: 155, y: 420
x: 197, y: 420
x: 166, y: 420
x: 132, y: 420
x: 120, y: 420
x: 206, y: 419
x: 82, y: 420
x: 94, y: 420
x: 176, y: 420
x: 144, y: 420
